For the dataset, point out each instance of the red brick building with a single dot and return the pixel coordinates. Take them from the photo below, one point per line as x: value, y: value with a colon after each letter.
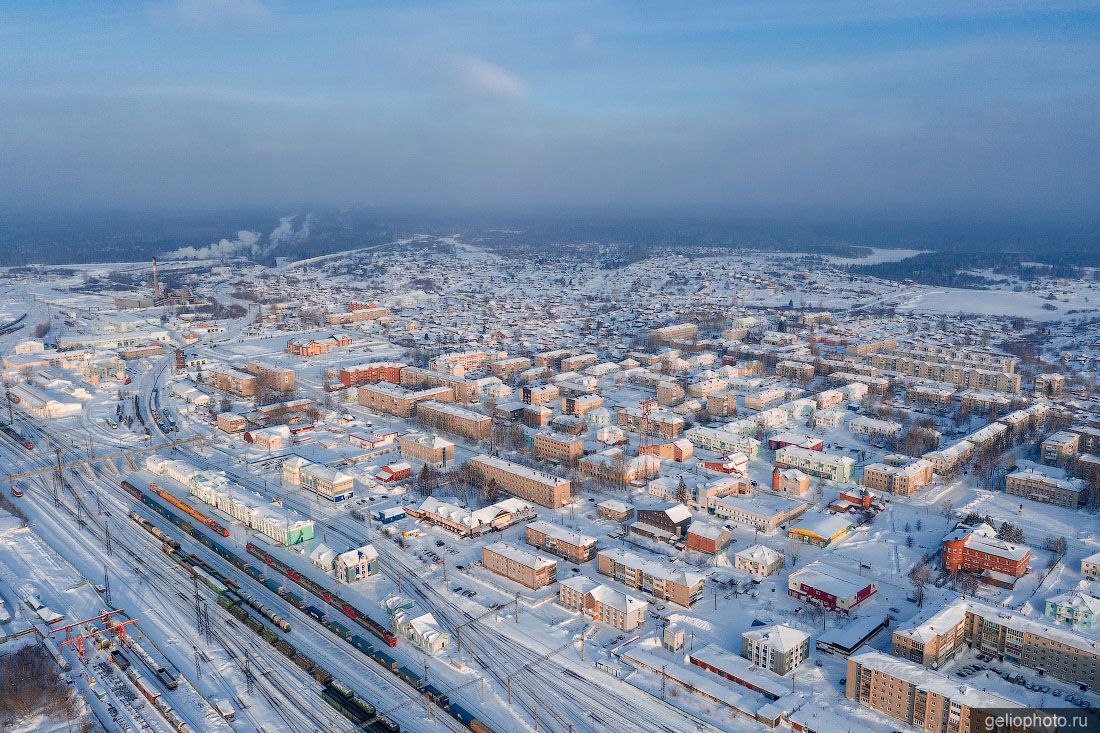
x: 708, y: 537
x: 379, y: 371
x: 977, y: 550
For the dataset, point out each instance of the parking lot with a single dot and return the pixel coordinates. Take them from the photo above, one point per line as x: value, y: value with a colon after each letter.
x: 1018, y: 683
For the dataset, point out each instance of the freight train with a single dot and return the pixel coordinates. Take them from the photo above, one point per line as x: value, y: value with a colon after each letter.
x: 236, y: 603
x: 147, y: 499
x: 329, y: 597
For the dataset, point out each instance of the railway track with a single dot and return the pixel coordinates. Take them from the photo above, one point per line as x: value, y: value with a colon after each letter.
x: 282, y: 691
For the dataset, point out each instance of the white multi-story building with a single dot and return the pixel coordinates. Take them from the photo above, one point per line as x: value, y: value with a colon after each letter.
x: 816, y: 463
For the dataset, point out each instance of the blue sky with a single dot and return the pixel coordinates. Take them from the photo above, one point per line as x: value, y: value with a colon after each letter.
x: 954, y: 108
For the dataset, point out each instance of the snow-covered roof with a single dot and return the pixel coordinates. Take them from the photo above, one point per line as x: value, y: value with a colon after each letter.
x: 780, y: 637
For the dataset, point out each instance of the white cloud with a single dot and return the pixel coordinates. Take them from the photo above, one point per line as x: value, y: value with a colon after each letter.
x: 475, y: 80
x: 245, y: 243
x: 210, y: 13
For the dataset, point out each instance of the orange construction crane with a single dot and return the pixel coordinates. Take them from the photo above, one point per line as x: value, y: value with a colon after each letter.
x: 101, y: 617
x: 79, y: 640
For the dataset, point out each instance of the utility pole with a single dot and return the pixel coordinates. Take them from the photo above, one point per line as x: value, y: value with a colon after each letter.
x: 106, y: 586
x: 517, y: 607
x: 58, y: 479
x: 107, y: 537
x: 249, y: 680
x: 198, y: 663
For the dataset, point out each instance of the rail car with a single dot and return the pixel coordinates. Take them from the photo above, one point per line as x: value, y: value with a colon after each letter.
x: 18, y: 437
x: 146, y: 498
x: 333, y: 599
x: 190, y: 511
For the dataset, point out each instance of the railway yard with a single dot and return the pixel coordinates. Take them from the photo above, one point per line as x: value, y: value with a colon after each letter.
x: 557, y: 498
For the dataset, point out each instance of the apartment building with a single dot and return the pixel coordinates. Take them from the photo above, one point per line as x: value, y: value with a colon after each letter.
x: 970, y: 377
x: 1075, y: 608
x: 234, y: 381
x: 903, y: 480
x: 660, y: 424
x: 1090, y: 436
x: 581, y: 405
x: 551, y: 359
x: 578, y: 362
x: 1049, y: 385
x: 539, y: 394
x: 453, y: 419
x: 981, y: 402
x: 508, y: 368
x: 937, y: 395
x: 557, y: 540
x: 1060, y: 448
x: 864, y: 348
x: 874, y: 384
x: 676, y: 332
x: 614, y: 467
x: 722, y: 403
x: 555, y: 447
x: 778, y: 648
x: 830, y: 587
x: 919, y: 697
x: 762, y: 512
x: 951, y: 458
x: 371, y: 373
x: 391, y: 399
x: 816, y: 463
x: 676, y: 450
x: 874, y: 428
x: 1000, y: 633
x: 1041, y: 487
x: 978, y: 550
x: 761, y: 399
x: 758, y: 560
x: 517, y: 564
x: 967, y: 356
x: 431, y: 450
x: 790, y: 482
x: 620, y: 511
x: 723, y: 441
x: 796, y: 371
x: 602, y: 603
x: 526, y: 483
x: 279, y: 378
x: 1090, y: 567
x: 659, y: 579
x: 669, y: 393
x: 828, y: 398
x: 465, y: 390
x: 459, y: 362
x: 359, y: 315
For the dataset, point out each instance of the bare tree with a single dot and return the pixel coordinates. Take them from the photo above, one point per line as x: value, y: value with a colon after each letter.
x: 920, y: 576
x: 967, y: 583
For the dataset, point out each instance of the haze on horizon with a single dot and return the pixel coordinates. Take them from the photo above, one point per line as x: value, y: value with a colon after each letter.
x: 958, y: 108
